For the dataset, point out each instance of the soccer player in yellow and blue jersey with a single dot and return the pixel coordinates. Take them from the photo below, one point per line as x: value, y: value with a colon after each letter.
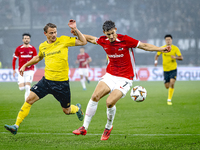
x: 56, y: 80
x: 169, y: 66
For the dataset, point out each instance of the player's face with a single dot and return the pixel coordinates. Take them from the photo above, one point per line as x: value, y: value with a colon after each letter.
x: 26, y: 40
x: 111, y: 34
x: 168, y: 40
x: 82, y: 50
x: 51, y: 35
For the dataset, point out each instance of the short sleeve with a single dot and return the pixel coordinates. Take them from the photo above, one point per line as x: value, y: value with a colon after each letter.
x: 87, y: 56
x: 159, y: 53
x: 98, y: 41
x: 178, y: 52
x: 101, y: 40
x: 40, y: 51
x: 16, y: 53
x: 131, y: 42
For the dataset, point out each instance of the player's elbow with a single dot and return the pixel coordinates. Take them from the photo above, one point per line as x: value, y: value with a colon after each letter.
x: 143, y: 46
x: 181, y: 57
x: 84, y: 42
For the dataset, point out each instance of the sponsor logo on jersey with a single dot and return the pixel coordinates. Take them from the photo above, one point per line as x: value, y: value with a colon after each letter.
x: 116, y: 56
x: 120, y: 49
x: 26, y: 56
x: 51, y: 53
x: 56, y: 43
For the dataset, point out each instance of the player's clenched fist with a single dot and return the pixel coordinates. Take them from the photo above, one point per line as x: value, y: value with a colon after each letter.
x: 72, y: 24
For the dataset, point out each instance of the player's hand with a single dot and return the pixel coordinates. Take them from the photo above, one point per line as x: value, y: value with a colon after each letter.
x: 155, y: 63
x: 73, y: 32
x: 173, y: 57
x: 72, y: 24
x: 14, y: 73
x: 167, y: 49
x: 21, y: 71
x: 84, y: 64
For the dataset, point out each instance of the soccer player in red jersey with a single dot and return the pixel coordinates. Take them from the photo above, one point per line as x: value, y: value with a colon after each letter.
x: 119, y: 76
x: 24, y: 53
x: 83, y: 59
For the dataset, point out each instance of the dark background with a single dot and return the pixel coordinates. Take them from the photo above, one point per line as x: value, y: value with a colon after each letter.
x: 145, y: 20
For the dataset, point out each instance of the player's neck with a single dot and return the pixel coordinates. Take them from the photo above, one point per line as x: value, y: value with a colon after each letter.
x: 169, y: 44
x: 26, y: 45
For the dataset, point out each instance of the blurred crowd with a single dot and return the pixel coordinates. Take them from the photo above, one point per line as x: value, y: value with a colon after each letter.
x: 178, y: 17
x: 140, y: 19
x: 143, y: 18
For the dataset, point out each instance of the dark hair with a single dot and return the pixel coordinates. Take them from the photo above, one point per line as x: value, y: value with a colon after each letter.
x: 108, y: 25
x: 49, y: 25
x: 26, y: 34
x: 168, y: 35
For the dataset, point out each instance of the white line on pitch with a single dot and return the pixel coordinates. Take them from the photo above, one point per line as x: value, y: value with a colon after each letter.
x: 111, y: 134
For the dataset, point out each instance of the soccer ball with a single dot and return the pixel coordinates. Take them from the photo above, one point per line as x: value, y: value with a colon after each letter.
x: 138, y: 93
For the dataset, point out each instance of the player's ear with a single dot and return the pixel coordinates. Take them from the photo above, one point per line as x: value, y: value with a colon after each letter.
x: 103, y: 32
x: 45, y: 33
x: 115, y: 29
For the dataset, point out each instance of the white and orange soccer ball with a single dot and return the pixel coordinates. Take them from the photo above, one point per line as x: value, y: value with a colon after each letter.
x: 138, y: 93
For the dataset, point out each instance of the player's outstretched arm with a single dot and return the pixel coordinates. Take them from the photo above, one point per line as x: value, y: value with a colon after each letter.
x: 33, y: 61
x: 81, y: 39
x: 150, y: 47
x: 90, y: 38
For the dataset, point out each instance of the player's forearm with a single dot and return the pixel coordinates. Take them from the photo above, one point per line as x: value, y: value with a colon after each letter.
x: 33, y: 61
x: 80, y: 37
x: 156, y: 60
x: 91, y: 39
x: 150, y: 47
x: 156, y: 57
x: 179, y: 57
x: 89, y: 60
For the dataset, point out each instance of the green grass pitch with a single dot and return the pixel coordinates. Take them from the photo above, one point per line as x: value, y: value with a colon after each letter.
x: 151, y: 124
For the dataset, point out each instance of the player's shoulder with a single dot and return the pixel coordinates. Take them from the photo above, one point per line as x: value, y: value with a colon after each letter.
x: 102, y: 38
x: 174, y: 46
x: 86, y: 54
x: 42, y: 45
x: 122, y: 37
x: 164, y: 46
x: 31, y: 46
x: 20, y: 46
x: 65, y: 37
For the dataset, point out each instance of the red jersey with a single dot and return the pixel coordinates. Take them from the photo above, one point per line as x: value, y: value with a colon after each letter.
x: 24, y: 54
x: 83, y: 58
x: 120, y: 54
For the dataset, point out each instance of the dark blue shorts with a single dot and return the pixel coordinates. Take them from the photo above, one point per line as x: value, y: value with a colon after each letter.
x: 59, y: 89
x: 170, y: 75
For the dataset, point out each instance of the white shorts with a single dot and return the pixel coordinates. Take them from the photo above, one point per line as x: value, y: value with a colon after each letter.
x: 27, y: 77
x: 83, y: 71
x: 120, y: 83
